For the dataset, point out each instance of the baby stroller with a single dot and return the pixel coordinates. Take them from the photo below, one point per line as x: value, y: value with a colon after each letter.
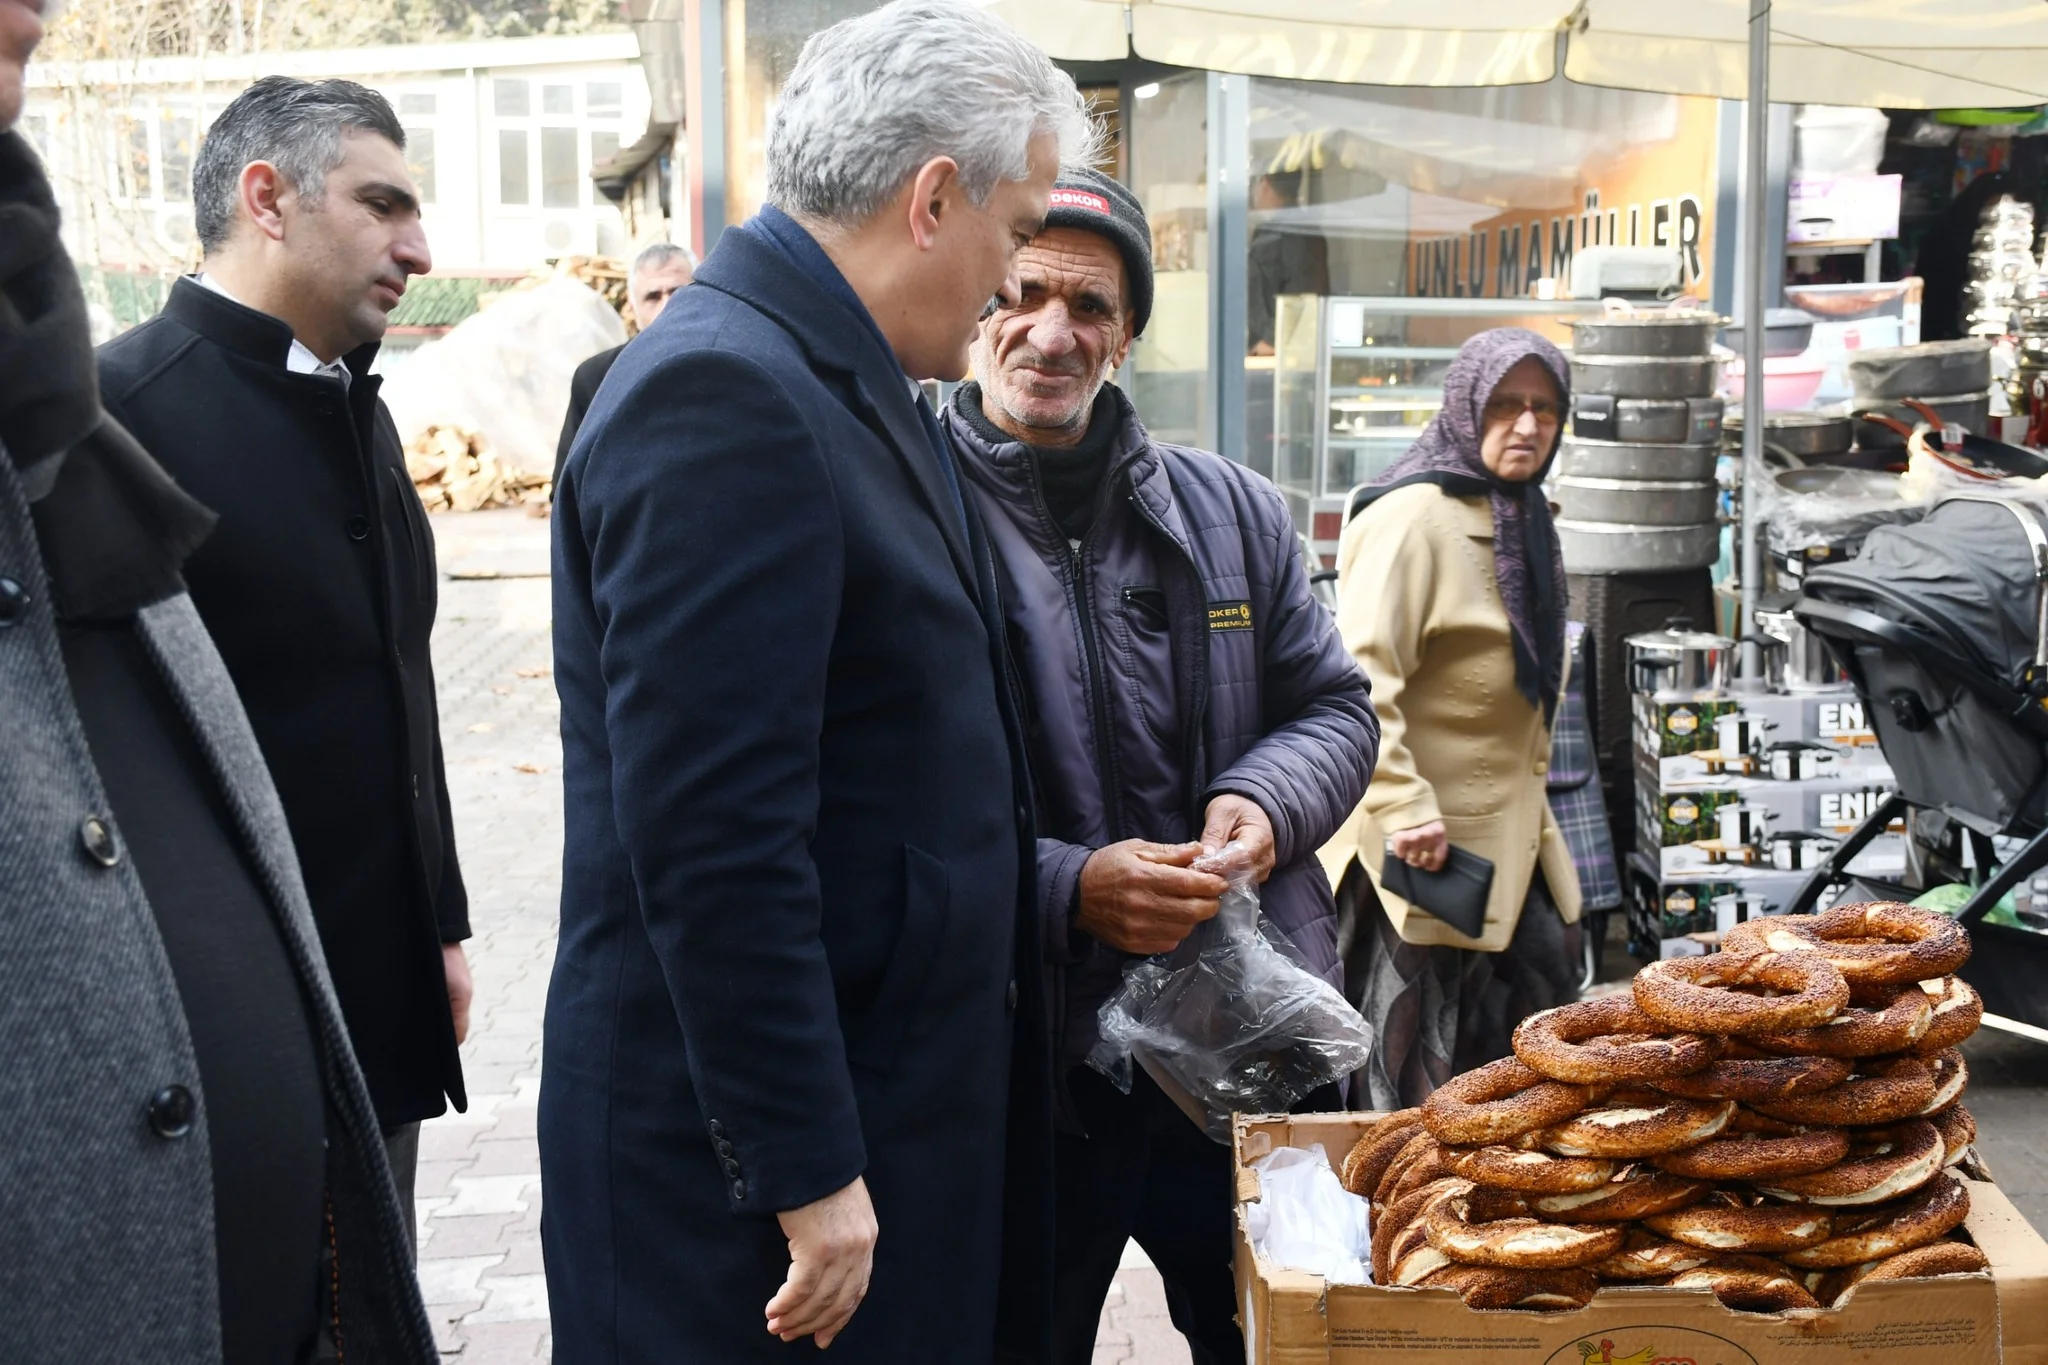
x: 1942, y: 626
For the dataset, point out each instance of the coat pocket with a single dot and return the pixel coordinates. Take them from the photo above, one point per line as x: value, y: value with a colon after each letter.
x: 925, y: 913
x: 419, y: 537
x: 1144, y: 638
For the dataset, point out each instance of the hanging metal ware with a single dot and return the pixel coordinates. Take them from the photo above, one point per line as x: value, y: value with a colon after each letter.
x: 1645, y: 334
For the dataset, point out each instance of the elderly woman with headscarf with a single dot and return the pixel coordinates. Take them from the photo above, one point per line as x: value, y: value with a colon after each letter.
x: 1452, y: 596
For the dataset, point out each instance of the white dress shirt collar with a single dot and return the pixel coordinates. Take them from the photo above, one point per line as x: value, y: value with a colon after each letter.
x: 299, y: 360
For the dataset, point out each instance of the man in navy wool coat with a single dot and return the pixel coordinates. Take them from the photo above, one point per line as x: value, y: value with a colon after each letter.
x: 795, y: 1091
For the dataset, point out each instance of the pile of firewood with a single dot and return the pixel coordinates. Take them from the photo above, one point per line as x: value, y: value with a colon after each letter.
x: 454, y: 470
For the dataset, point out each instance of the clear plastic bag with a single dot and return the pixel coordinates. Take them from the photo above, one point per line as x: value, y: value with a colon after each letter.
x: 1232, y: 1017
x: 1304, y: 1218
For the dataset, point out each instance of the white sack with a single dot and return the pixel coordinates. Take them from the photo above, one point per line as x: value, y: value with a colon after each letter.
x: 505, y: 371
x: 1306, y: 1220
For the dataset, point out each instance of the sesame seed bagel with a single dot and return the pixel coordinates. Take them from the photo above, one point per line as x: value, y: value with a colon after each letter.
x: 1751, y: 1284
x: 1756, y: 1156
x: 1529, y: 1172
x: 1958, y: 1130
x: 1370, y: 1155
x: 1883, y: 1164
x: 1390, y: 1221
x: 1951, y: 1076
x: 1958, y: 1013
x: 1710, y: 994
x: 1638, y: 1124
x: 1887, y: 1091
x: 1517, y: 1243
x: 1599, y: 1042
x: 1872, y: 943
x: 1496, y: 1288
x: 1726, y: 1221
x: 1410, y: 1257
x: 1418, y: 1145
x: 1500, y: 1100
x: 1757, y: 1078
x: 1897, y: 1026
x: 1636, y: 1193
x: 1936, y: 1258
x: 1860, y: 1235
x: 1646, y: 1256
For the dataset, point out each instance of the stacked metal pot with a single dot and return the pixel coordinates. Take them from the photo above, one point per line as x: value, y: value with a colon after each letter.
x: 1945, y: 382
x: 1634, y: 483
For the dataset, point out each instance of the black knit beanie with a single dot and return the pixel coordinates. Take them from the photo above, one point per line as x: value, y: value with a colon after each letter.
x: 1092, y: 202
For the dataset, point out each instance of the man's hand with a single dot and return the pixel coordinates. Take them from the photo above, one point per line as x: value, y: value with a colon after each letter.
x: 461, y: 990
x: 1425, y: 846
x: 831, y: 1254
x: 1143, y: 898
x: 1241, y: 818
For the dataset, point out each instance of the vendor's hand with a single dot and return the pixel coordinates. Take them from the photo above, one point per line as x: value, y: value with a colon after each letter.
x: 1425, y: 846
x: 1141, y: 897
x: 831, y: 1254
x: 1241, y: 818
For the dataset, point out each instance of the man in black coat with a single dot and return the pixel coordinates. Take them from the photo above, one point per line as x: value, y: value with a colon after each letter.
x: 253, y: 389
x: 795, y: 957
x: 657, y: 273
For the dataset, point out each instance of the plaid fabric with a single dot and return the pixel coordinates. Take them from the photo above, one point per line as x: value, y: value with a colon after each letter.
x: 1574, y: 787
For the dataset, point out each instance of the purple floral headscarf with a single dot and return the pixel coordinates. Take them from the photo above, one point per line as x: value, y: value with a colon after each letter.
x: 1527, y: 565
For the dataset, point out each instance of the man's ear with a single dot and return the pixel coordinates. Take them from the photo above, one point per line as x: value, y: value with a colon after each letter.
x: 932, y: 191
x: 263, y: 192
x: 1123, y: 347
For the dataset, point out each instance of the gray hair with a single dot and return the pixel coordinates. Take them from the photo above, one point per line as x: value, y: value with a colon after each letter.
x: 875, y: 97
x: 655, y: 255
x: 297, y: 126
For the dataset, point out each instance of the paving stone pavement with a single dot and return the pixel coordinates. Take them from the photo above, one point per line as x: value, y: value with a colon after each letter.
x: 479, y: 1197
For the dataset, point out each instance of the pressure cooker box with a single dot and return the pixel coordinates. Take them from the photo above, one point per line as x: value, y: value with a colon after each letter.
x: 1675, y: 914
x: 1291, y: 1317
x: 1680, y: 741
x: 1684, y: 830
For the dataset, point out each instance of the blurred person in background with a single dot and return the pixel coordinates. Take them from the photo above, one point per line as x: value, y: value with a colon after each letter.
x: 657, y: 273
x: 1185, y: 690
x: 1452, y: 596
x: 191, y: 1163
x: 253, y: 387
x: 793, y: 1083
x: 1283, y: 258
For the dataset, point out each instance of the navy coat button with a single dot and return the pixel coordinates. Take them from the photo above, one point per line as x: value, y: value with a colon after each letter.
x: 358, y: 528
x: 1011, y: 996
x: 13, y: 602
x: 716, y: 1128
x: 171, y: 1111
x: 97, y: 834
x: 724, y: 1148
x: 739, y: 1191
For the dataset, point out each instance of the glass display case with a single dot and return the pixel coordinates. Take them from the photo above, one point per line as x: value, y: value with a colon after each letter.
x: 1357, y: 379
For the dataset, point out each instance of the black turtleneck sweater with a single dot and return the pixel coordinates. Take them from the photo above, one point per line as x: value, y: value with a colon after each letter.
x: 1070, y: 478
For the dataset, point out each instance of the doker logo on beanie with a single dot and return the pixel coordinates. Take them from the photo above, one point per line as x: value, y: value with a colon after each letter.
x: 1094, y: 202
x: 1079, y: 199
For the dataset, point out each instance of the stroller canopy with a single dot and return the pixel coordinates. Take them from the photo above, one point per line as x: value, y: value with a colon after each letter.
x: 1963, y: 580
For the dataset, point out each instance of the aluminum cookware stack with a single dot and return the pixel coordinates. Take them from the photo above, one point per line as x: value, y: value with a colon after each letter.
x: 1634, y: 481
x: 1950, y: 379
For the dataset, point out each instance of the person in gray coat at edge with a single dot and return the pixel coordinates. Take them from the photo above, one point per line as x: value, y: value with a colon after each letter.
x: 190, y: 1169
x: 1183, y: 690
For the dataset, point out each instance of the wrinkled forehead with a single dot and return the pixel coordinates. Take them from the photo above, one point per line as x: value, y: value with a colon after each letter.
x: 1069, y: 261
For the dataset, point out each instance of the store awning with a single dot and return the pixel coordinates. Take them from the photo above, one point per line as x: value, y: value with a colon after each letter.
x: 1911, y: 54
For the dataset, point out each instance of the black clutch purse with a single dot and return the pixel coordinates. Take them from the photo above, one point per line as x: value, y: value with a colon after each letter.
x: 1455, y: 893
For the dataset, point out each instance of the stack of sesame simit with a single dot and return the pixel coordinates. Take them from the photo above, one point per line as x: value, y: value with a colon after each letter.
x: 1774, y: 1122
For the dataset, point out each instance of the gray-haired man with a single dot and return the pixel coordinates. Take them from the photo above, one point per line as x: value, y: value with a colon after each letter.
x: 253, y: 387
x: 779, y: 1083
x: 657, y: 273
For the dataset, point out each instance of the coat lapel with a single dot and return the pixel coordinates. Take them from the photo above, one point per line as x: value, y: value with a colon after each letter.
x: 761, y: 276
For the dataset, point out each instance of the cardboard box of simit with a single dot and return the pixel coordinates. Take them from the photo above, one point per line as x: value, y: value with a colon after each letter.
x: 1294, y: 1318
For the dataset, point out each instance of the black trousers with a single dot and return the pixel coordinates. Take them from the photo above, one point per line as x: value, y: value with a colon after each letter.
x: 1145, y: 1173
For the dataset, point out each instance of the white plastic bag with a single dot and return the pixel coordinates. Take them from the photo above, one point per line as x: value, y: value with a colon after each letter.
x: 1306, y: 1220
x: 1231, y: 1016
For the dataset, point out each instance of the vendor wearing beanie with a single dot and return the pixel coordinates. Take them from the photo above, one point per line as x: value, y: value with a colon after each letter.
x: 1184, y: 690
